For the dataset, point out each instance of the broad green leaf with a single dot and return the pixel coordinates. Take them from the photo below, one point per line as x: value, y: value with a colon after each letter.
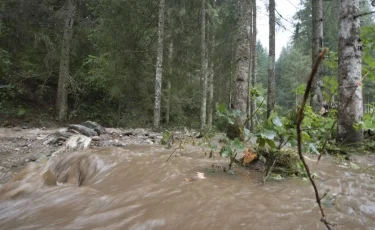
x: 268, y: 134
x: 247, y: 133
x: 305, y: 136
x: 227, y: 152
x: 261, y: 142
x: 237, y: 144
x: 271, y: 143
x: 277, y: 122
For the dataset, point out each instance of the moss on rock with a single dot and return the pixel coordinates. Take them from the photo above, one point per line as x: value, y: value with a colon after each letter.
x: 287, y: 161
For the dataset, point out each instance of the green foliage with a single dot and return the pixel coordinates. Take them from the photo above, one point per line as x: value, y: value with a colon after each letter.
x: 167, y: 138
x: 292, y: 69
x: 229, y: 116
x: 5, y: 62
x: 232, y: 148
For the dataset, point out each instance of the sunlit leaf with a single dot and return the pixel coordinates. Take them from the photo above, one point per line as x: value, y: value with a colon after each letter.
x: 305, y: 136
x: 277, y: 122
x: 268, y: 134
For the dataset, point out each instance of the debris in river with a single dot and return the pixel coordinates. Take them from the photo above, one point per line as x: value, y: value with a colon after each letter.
x: 248, y: 156
x: 200, y: 175
x: 187, y: 179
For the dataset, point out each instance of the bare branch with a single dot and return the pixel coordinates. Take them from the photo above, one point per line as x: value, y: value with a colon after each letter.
x: 363, y: 14
x: 299, y: 137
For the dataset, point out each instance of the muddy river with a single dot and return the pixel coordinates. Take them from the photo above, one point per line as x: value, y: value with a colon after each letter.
x: 134, y: 188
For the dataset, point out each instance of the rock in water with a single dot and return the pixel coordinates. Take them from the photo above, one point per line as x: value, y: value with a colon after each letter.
x: 75, y: 142
x: 89, y: 132
x: 78, y: 142
x: 95, y: 126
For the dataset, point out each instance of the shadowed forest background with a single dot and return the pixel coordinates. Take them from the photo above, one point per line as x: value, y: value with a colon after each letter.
x: 113, y: 54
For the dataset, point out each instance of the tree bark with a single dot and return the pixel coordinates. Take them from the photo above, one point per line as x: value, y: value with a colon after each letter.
x: 253, y: 62
x: 317, y: 44
x: 159, y: 65
x: 211, y: 74
x: 271, y: 61
x: 230, y: 99
x: 242, y: 64
x: 350, y: 73
x: 169, y: 84
x: 62, y: 87
x: 203, y: 80
x: 168, y: 102
x: 250, y: 64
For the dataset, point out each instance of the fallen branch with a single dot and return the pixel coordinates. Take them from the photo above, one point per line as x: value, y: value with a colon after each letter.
x: 269, y: 171
x: 179, y: 147
x: 299, y: 137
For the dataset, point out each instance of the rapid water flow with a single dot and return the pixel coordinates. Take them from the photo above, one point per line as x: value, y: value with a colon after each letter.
x: 134, y: 188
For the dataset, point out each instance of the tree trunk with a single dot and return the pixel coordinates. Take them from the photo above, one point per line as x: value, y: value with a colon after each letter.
x: 168, y: 102
x: 248, y: 104
x: 317, y: 44
x: 211, y: 74
x: 242, y: 66
x: 62, y: 88
x: 271, y: 61
x: 169, y: 84
x: 253, y: 62
x: 242, y: 57
x: 230, y: 99
x: 159, y: 65
x: 203, y: 80
x: 350, y: 73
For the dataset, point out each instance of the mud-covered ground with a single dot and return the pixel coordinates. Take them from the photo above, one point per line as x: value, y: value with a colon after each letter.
x: 21, y: 145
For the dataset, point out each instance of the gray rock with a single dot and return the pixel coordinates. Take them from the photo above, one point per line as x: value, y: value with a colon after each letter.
x: 96, y: 138
x: 75, y: 142
x: 95, y: 126
x: 83, y: 130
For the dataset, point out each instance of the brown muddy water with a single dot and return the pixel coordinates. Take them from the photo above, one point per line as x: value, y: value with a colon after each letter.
x: 133, y: 188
